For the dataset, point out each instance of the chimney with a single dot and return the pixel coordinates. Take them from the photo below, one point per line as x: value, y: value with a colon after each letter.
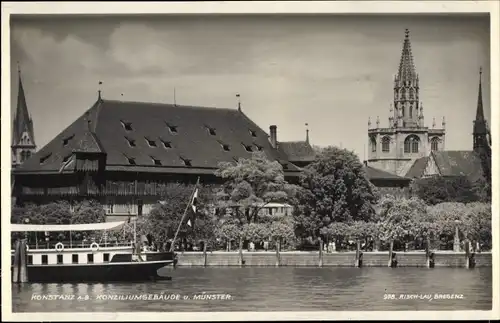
x: 274, y: 137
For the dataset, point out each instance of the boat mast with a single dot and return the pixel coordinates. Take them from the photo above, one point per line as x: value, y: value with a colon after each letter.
x: 184, y: 215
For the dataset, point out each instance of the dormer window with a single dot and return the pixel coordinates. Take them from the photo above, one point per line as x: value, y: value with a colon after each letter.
x: 187, y: 162
x: 166, y: 144
x: 44, y: 158
x: 157, y: 162
x: 65, y: 140
x: 131, y: 142
x: 131, y: 160
x: 259, y: 148
x: 224, y: 146
x: 247, y: 147
x: 284, y: 165
x: 253, y: 133
x: 150, y: 142
x: 211, y: 131
x: 127, y: 125
x: 172, y: 129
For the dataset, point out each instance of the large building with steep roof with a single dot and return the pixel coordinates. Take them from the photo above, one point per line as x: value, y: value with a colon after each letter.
x: 409, y: 149
x: 124, y: 153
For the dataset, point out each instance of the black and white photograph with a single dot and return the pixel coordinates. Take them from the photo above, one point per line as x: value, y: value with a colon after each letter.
x: 214, y: 162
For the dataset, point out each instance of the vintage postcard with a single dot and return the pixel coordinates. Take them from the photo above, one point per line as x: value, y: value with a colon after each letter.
x: 250, y: 160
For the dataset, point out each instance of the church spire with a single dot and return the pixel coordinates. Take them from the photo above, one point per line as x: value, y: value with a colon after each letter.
x: 406, y: 88
x: 480, y: 130
x: 479, y: 111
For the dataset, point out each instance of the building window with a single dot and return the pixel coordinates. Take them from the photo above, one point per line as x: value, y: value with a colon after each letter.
x: 150, y: 142
x: 74, y: 258
x: 247, y: 147
x: 411, y: 144
x: 131, y: 142
x: 106, y: 257
x: 109, y: 206
x: 45, y: 259
x: 373, y: 144
x: 90, y: 258
x: 30, y: 260
x: 253, y: 133
x: 157, y: 162
x: 386, y: 144
x: 166, y: 144
x: 127, y: 125
x: 434, y: 144
x: 59, y: 259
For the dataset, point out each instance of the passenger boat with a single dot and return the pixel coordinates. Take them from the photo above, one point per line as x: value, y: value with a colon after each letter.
x: 84, y: 262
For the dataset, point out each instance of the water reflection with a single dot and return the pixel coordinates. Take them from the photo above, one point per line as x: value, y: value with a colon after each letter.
x: 272, y: 289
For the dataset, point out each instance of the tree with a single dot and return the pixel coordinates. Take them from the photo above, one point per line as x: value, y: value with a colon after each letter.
x: 164, y: 219
x: 249, y: 186
x: 477, y: 220
x: 439, y: 189
x: 403, y: 219
x: 334, y: 188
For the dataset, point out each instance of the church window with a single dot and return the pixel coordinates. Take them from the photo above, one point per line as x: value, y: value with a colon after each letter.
x: 23, y: 156
x: 373, y: 144
x: 434, y: 144
x: 411, y: 144
x: 411, y: 112
x: 386, y: 142
x: 28, y: 154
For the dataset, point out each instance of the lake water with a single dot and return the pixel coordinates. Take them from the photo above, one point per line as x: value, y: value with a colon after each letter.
x: 270, y: 289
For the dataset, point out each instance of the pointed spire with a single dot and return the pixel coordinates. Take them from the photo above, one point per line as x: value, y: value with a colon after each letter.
x: 369, y: 122
x: 239, y: 102
x: 479, y: 111
x: 175, y: 99
x: 307, y: 132
x: 378, y: 122
x: 406, y: 71
x: 22, y: 119
x: 433, y: 123
x: 443, y: 123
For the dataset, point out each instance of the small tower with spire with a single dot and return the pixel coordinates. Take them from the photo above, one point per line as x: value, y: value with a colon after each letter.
x: 480, y: 129
x: 23, y: 135
x: 406, y: 138
x: 307, y: 133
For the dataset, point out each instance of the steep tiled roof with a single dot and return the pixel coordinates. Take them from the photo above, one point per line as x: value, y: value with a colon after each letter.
x: 377, y: 174
x: 458, y: 163
x: 158, y: 137
x: 300, y: 151
x: 418, y: 168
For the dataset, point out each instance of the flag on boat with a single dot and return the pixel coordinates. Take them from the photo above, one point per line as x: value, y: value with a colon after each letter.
x: 195, y: 200
x: 189, y: 223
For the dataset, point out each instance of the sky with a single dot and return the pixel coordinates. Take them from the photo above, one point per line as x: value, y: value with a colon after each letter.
x: 332, y: 72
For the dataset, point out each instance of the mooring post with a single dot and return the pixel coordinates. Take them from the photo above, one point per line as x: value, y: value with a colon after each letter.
x: 15, y: 272
x: 23, y: 255
x: 278, y: 247
x: 467, y: 254
x: 242, y: 261
x: 357, y: 262
x: 391, y: 246
x: 204, y: 253
x: 320, y: 253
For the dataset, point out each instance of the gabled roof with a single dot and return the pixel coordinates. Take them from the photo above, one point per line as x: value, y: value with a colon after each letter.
x: 297, y: 151
x: 377, y: 174
x: 418, y: 168
x: 151, y: 137
x: 458, y: 163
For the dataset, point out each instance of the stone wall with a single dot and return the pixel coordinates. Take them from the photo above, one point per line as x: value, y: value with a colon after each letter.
x: 337, y: 259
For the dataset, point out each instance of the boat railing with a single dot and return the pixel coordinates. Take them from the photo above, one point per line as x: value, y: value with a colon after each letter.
x: 75, y: 244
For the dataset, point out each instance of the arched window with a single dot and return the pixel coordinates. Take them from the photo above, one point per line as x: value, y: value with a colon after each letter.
x: 411, y: 144
x: 28, y: 154
x: 373, y: 144
x: 411, y: 112
x: 434, y: 144
x: 23, y: 156
x: 386, y: 144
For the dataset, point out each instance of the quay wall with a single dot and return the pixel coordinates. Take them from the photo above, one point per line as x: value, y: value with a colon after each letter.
x: 335, y: 259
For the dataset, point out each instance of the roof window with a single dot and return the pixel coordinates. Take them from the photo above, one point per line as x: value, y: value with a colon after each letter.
x: 247, y: 147
x: 65, y: 159
x: 187, y: 162
x: 259, y: 148
x: 253, y: 133
x: 150, y: 142
x: 44, y: 158
x: 130, y: 160
x: 166, y: 144
x: 211, y: 131
x: 157, y: 162
x: 67, y: 139
x: 131, y: 142
x: 127, y: 125
x: 171, y: 128
x: 225, y: 147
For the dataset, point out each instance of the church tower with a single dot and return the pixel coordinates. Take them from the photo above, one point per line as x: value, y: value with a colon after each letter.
x: 394, y: 148
x: 481, y: 134
x: 23, y: 136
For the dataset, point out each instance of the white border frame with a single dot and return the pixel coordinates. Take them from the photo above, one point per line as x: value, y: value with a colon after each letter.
x: 248, y: 7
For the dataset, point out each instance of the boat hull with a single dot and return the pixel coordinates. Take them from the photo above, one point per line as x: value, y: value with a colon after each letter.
x: 108, y: 272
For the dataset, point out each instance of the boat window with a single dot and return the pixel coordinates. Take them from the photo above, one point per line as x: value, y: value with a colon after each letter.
x: 45, y: 259
x: 59, y: 259
x: 106, y: 257
x: 75, y: 259
x: 30, y: 260
x: 90, y: 258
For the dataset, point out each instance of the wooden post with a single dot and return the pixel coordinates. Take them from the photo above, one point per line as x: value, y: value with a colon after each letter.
x: 204, y: 253
x: 357, y: 262
x: 278, y: 247
x: 242, y: 261
x: 23, y: 273
x: 391, y: 246
x: 467, y: 254
x: 320, y: 253
x: 229, y: 245
x: 15, y: 272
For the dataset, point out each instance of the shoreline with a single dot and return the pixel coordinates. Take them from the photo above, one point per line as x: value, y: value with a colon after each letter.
x: 442, y: 258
